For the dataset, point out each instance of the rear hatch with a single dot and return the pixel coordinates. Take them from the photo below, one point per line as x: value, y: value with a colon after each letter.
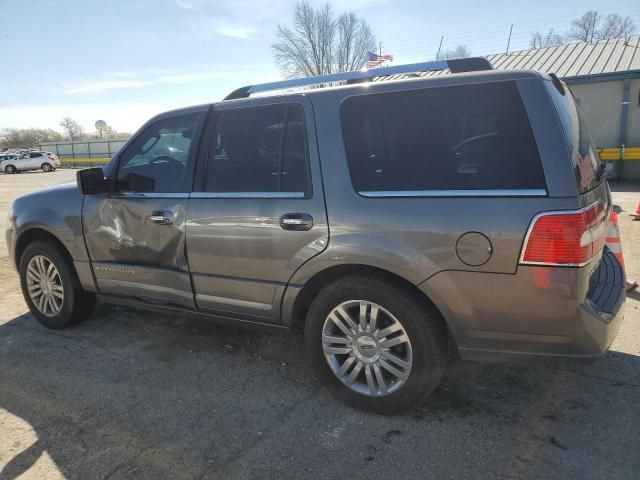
x: 606, y: 279
x: 577, y: 237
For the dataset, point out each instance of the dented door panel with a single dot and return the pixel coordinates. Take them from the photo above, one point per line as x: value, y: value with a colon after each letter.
x: 132, y: 254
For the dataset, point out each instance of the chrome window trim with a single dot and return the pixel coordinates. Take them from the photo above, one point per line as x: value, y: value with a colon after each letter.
x: 521, y: 260
x: 248, y: 195
x: 532, y: 192
x: 149, y: 195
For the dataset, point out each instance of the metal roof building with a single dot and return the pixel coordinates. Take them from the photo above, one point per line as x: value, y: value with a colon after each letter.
x: 577, y: 59
x: 574, y: 60
x: 605, y: 79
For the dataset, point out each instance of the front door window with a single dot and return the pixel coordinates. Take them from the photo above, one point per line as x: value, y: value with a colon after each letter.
x: 157, y: 160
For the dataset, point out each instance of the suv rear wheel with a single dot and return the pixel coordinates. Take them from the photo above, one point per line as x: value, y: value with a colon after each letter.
x: 46, y: 167
x: 51, y: 287
x: 375, y: 345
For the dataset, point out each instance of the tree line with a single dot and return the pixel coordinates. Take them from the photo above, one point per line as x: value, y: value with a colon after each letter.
x: 590, y: 27
x: 71, y: 130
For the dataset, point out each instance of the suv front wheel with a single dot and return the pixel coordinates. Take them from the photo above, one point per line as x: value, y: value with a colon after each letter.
x: 51, y: 288
x: 374, y: 344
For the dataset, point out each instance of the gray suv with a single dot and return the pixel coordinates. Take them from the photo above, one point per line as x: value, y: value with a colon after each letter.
x: 396, y: 222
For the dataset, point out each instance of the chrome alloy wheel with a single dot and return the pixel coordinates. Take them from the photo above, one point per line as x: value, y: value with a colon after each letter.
x: 45, y: 286
x: 367, y: 348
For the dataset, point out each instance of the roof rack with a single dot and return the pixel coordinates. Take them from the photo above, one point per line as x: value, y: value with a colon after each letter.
x: 458, y: 65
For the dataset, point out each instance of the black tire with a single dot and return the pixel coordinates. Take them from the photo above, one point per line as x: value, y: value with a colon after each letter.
x: 46, y: 167
x: 77, y: 304
x: 421, y: 321
x: 10, y: 169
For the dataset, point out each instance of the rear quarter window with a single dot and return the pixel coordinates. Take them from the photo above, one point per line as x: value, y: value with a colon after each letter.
x: 471, y: 137
x: 584, y: 155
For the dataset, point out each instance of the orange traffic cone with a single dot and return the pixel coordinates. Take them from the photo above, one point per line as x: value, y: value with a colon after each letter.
x: 615, y: 245
x: 636, y: 214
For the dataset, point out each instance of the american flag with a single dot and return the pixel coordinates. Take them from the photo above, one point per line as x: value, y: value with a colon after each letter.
x: 377, y: 60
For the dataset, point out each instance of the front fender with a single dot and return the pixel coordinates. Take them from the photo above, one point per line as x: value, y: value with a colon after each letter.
x: 58, y: 212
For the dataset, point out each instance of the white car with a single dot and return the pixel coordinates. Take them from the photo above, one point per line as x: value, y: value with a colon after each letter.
x: 30, y: 161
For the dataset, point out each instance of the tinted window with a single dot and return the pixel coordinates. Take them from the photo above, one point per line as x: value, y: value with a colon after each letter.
x: 449, y: 138
x: 260, y: 149
x: 585, y: 157
x: 157, y: 159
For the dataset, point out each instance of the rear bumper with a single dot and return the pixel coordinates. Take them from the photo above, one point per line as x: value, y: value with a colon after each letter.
x: 540, y: 312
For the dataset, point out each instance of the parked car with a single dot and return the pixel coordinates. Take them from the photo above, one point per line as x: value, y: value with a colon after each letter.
x: 396, y: 223
x: 30, y: 161
x: 52, y: 156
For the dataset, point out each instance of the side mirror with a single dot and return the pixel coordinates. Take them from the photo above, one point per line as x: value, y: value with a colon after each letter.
x: 92, y: 181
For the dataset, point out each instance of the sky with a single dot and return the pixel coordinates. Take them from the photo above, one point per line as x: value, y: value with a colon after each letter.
x: 124, y: 61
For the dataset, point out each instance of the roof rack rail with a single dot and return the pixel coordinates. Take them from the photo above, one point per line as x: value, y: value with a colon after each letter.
x: 458, y: 65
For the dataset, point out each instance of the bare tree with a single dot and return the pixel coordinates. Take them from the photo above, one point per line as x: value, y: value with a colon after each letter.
x: 318, y: 43
x: 546, y: 40
x: 72, y: 129
x: 355, y: 41
x: 584, y: 28
x: 592, y: 26
x: 615, y: 26
x: 461, y: 51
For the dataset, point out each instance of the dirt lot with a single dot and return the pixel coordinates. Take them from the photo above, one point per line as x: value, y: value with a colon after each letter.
x: 132, y: 394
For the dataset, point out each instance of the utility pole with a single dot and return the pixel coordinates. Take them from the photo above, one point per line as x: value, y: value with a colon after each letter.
x: 509, y: 41
x: 439, y: 47
x: 380, y: 49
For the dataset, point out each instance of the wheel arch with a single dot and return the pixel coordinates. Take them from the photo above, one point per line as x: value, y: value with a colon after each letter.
x: 38, y: 234
x: 295, y: 309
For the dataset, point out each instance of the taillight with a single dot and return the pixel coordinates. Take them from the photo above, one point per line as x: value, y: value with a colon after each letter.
x: 569, y: 238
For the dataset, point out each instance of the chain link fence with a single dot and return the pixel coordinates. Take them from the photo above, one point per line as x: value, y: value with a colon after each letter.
x: 84, y: 153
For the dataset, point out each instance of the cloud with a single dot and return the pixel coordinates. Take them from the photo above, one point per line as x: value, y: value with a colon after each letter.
x: 188, y: 4
x: 236, y: 31
x: 241, y: 19
x: 124, y: 117
x: 234, y: 19
x: 356, y: 4
x: 105, y: 85
x: 121, y: 80
x: 192, y: 77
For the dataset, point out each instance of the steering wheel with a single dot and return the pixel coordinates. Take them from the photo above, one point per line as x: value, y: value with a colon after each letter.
x: 165, y: 159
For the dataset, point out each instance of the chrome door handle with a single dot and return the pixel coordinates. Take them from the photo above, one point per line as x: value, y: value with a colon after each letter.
x: 163, y: 217
x: 296, y: 221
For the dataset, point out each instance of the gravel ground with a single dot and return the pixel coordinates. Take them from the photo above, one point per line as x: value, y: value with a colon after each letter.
x: 134, y: 394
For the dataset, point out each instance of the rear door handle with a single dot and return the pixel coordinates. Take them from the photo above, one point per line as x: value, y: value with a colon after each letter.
x: 296, y: 221
x: 163, y: 217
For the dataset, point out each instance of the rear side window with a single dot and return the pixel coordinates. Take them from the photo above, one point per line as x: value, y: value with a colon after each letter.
x: 259, y: 150
x: 472, y: 137
x: 584, y: 156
